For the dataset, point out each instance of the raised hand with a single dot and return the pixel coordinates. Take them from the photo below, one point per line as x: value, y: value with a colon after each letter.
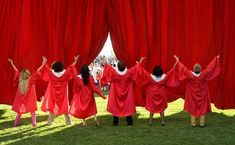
x: 76, y: 57
x: 44, y: 60
x: 75, y: 60
x: 176, y: 58
x: 10, y: 60
x: 141, y: 59
x: 12, y: 64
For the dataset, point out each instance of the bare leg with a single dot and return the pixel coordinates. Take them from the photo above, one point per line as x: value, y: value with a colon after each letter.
x: 151, y: 118
x: 67, y: 119
x: 202, y: 121
x: 84, y: 122
x: 96, y: 120
x: 33, y: 119
x: 162, y: 118
x: 51, y: 117
x: 17, y: 120
x: 193, y: 121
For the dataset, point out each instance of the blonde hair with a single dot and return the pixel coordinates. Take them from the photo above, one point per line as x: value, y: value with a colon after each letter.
x: 24, y: 81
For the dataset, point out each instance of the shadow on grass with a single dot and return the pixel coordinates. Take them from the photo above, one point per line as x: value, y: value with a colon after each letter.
x: 23, y: 121
x: 1, y: 114
x: 220, y: 129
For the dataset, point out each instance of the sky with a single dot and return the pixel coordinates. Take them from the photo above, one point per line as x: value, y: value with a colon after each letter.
x: 107, y: 49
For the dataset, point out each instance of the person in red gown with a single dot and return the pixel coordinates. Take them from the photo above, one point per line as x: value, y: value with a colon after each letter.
x: 25, y: 100
x: 121, y: 101
x: 83, y: 104
x: 155, y: 85
x: 197, y: 98
x: 56, y: 96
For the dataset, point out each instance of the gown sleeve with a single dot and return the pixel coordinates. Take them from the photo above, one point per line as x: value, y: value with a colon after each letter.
x: 108, y: 74
x: 213, y: 69
x: 134, y: 71
x: 71, y: 72
x: 95, y: 89
x: 172, y: 78
x: 144, y: 76
x: 46, y: 72
x: 182, y: 71
x: 16, y: 76
x: 35, y: 75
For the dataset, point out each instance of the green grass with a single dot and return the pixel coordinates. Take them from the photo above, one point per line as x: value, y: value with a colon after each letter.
x: 219, y: 129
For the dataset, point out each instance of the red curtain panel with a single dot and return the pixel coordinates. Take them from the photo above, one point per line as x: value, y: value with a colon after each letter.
x: 58, y: 29
x: 196, y: 30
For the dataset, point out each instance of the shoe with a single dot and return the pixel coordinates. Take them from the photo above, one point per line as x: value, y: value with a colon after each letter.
x: 69, y: 123
x: 97, y: 123
x: 84, y: 124
x: 163, y: 123
x: 193, y: 124
x: 201, y: 125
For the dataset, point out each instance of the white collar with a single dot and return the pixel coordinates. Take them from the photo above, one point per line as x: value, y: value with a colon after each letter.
x: 121, y: 72
x: 80, y: 76
x: 196, y: 75
x: 58, y: 74
x: 156, y: 79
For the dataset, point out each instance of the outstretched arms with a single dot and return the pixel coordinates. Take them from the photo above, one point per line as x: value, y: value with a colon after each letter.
x: 12, y: 64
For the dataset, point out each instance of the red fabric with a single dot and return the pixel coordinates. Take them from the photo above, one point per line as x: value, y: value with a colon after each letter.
x: 197, y: 98
x: 121, y: 100
x: 156, y: 92
x: 58, y: 29
x: 83, y: 104
x: 24, y: 103
x: 56, y: 97
x: 196, y: 30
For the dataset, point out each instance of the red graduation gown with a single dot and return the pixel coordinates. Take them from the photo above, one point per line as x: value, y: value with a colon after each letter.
x: 83, y: 104
x: 56, y: 96
x: 197, y: 98
x: 156, y: 90
x: 121, y: 96
x: 27, y: 102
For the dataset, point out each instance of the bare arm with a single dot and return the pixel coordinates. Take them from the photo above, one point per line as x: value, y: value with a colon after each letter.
x: 44, y: 61
x: 140, y: 61
x: 12, y: 64
x: 75, y: 60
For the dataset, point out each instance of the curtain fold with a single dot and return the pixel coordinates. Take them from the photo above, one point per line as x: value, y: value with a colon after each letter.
x: 196, y: 30
x: 58, y: 29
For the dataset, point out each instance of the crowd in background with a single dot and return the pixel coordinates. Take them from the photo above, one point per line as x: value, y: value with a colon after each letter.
x: 97, y: 67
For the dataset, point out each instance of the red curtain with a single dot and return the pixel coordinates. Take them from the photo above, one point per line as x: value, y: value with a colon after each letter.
x: 196, y: 30
x: 58, y: 29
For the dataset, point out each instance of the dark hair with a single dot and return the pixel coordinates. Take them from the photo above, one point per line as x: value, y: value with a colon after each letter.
x: 85, y: 72
x: 157, y: 71
x: 121, y: 66
x: 58, y: 66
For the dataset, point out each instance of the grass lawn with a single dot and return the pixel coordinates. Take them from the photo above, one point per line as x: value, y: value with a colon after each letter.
x: 219, y: 129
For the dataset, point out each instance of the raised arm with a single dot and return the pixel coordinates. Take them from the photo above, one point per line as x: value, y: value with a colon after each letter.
x: 213, y: 69
x: 95, y: 89
x: 134, y: 71
x: 12, y: 64
x: 44, y: 61
x: 182, y: 70
x: 75, y: 60
x: 141, y: 60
